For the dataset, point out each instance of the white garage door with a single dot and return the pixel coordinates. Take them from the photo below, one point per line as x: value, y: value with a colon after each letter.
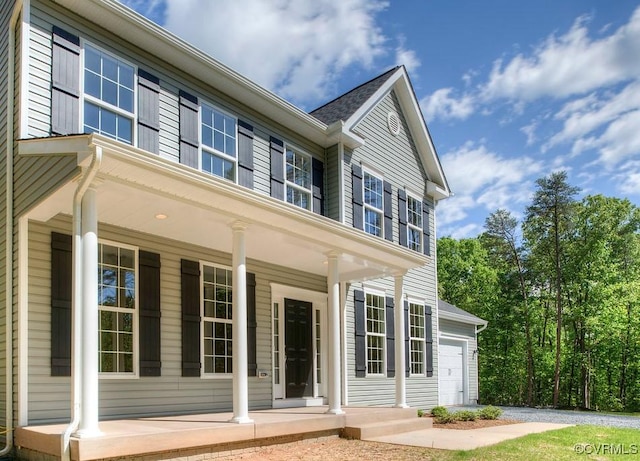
x: 451, y: 370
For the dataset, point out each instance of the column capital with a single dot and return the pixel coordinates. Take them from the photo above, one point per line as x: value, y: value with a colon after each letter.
x: 333, y: 254
x: 399, y: 273
x: 239, y: 226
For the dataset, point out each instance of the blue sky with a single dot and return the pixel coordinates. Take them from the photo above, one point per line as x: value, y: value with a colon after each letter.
x: 511, y: 90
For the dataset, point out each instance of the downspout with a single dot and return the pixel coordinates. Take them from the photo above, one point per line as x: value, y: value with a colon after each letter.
x: 17, y: 9
x: 76, y: 313
x: 482, y: 328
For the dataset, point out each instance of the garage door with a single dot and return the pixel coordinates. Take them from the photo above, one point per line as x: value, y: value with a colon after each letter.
x: 451, y: 370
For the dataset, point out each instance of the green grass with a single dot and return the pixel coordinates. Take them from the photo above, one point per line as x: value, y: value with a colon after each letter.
x: 556, y: 445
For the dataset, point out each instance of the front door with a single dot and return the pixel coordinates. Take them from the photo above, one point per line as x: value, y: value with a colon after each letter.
x: 298, y: 343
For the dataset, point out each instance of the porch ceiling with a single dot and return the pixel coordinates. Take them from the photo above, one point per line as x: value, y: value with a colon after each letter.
x: 134, y: 186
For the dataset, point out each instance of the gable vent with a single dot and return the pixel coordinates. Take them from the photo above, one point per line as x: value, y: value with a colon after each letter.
x: 393, y: 122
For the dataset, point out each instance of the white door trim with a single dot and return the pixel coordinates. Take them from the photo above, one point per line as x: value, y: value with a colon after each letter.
x: 319, y: 302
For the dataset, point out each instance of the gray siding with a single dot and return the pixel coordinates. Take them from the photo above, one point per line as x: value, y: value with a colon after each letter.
x: 467, y: 332
x: 169, y: 393
x: 397, y: 159
x: 45, y: 15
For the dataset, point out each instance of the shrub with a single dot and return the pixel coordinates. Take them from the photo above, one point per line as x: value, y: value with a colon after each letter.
x: 420, y: 413
x: 465, y: 415
x: 489, y: 412
x: 439, y: 411
x: 445, y: 418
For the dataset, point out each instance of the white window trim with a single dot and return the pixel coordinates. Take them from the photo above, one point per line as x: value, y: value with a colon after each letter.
x: 287, y: 183
x: 203, y: 374
x: 213, y: 151
x: 100, y: 103
x: 372, y: 172
x: 412, y: 226
x: 135, y: 374
x: 381, y: 293
x: 423, y: 339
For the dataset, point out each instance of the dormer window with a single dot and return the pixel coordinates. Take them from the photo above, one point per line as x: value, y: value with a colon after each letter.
x: 108, y: 95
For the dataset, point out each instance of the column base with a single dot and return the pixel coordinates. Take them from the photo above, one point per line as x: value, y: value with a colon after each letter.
x: 241, y: 420
x: 88, y: 433
x: 335, y: 411
x: 401, y: 405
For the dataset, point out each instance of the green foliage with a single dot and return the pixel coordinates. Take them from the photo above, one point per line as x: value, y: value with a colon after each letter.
x: 465, y: 415
x: 420, y: 413
x: 439, y: 411
x: 445, y: 419
x: 489, y: 412
x: 562, y: 298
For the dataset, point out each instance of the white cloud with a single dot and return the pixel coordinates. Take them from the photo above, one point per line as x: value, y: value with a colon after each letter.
x: 440, y: 104
x: 293, y: 48
x: 466, y: 231
x: 152, y: 9
x: 568, y: 65
x: 408, y: 59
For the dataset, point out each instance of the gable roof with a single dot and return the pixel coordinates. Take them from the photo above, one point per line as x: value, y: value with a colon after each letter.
x: 350, y: 108
x: 451, y: 312
x: 343, y: 107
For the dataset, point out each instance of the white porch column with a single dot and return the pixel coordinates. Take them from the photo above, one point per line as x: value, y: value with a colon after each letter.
x: 88, y: 426
x: 239, y: 331
x: 398, y: 311
x: 334, y: 383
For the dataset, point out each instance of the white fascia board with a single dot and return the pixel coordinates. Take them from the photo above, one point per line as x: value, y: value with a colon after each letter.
x: 399, y: 82
x: 461, y: 318
x: 131, y: 26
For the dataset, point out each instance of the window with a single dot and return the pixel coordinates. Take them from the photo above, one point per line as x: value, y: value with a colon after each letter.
x: 373, y: 203
x: 298, y: 178
x: 217, y: 320
x: 375, y: 310
x: 218, y: 142
x: 416, y: 338
x: 117, y: 300
x: 414, y: 223
x: 108, y: 95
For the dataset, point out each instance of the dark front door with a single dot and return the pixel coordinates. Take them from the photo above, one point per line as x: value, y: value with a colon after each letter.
x: 298, y: 348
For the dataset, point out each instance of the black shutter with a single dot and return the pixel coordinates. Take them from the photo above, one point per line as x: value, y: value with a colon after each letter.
x: 65, y: 83
x: 245, y: 154
x: 356, y: 180
x: 391, y: 346
x: 190, y: 287
x: 426, y: 233
x: 407, y: 345
x: 429, y: 340
x: 149, y: 291
x: 318, y: 186
x: 388, y: 212
x: 361, y: 333
x: 148, y: 112
x: 252, y: 325
x: 189, y: 140
x: 61, y: 296
x: 277, y: 168
x: 402, y: 217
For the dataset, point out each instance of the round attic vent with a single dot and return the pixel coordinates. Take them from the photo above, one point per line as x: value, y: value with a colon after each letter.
x: 393, y: 122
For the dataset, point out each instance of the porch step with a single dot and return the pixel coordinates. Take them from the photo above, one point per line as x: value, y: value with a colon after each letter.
x: 391, y: 421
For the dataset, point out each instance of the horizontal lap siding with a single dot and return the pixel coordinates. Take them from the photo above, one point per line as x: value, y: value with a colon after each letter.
x: 170, y: 393
x: 397, y: 159
x: 467, y: 332
x: 39, y: 79
x: 261, y: 162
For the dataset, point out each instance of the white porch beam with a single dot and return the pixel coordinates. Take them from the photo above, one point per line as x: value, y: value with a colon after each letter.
x: 239, y: 331
x: 398, y: 311
x: 88, y: 426
x: 333, y: 283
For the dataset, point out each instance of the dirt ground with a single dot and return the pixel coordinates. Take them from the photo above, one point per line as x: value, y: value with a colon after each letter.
x: 337, y: 449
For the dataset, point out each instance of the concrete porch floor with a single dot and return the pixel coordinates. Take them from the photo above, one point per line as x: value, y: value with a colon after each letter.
x: 200, y: 436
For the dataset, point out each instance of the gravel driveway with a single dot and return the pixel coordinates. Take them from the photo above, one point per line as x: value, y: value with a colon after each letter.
x: 541, y: 415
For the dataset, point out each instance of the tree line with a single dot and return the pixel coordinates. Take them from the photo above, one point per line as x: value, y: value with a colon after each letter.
x: 561, y: 292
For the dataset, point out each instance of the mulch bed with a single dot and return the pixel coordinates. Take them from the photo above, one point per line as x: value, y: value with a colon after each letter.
x: 477, y: 424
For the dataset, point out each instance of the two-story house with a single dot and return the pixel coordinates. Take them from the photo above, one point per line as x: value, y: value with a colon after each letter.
x: 178, y: 239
